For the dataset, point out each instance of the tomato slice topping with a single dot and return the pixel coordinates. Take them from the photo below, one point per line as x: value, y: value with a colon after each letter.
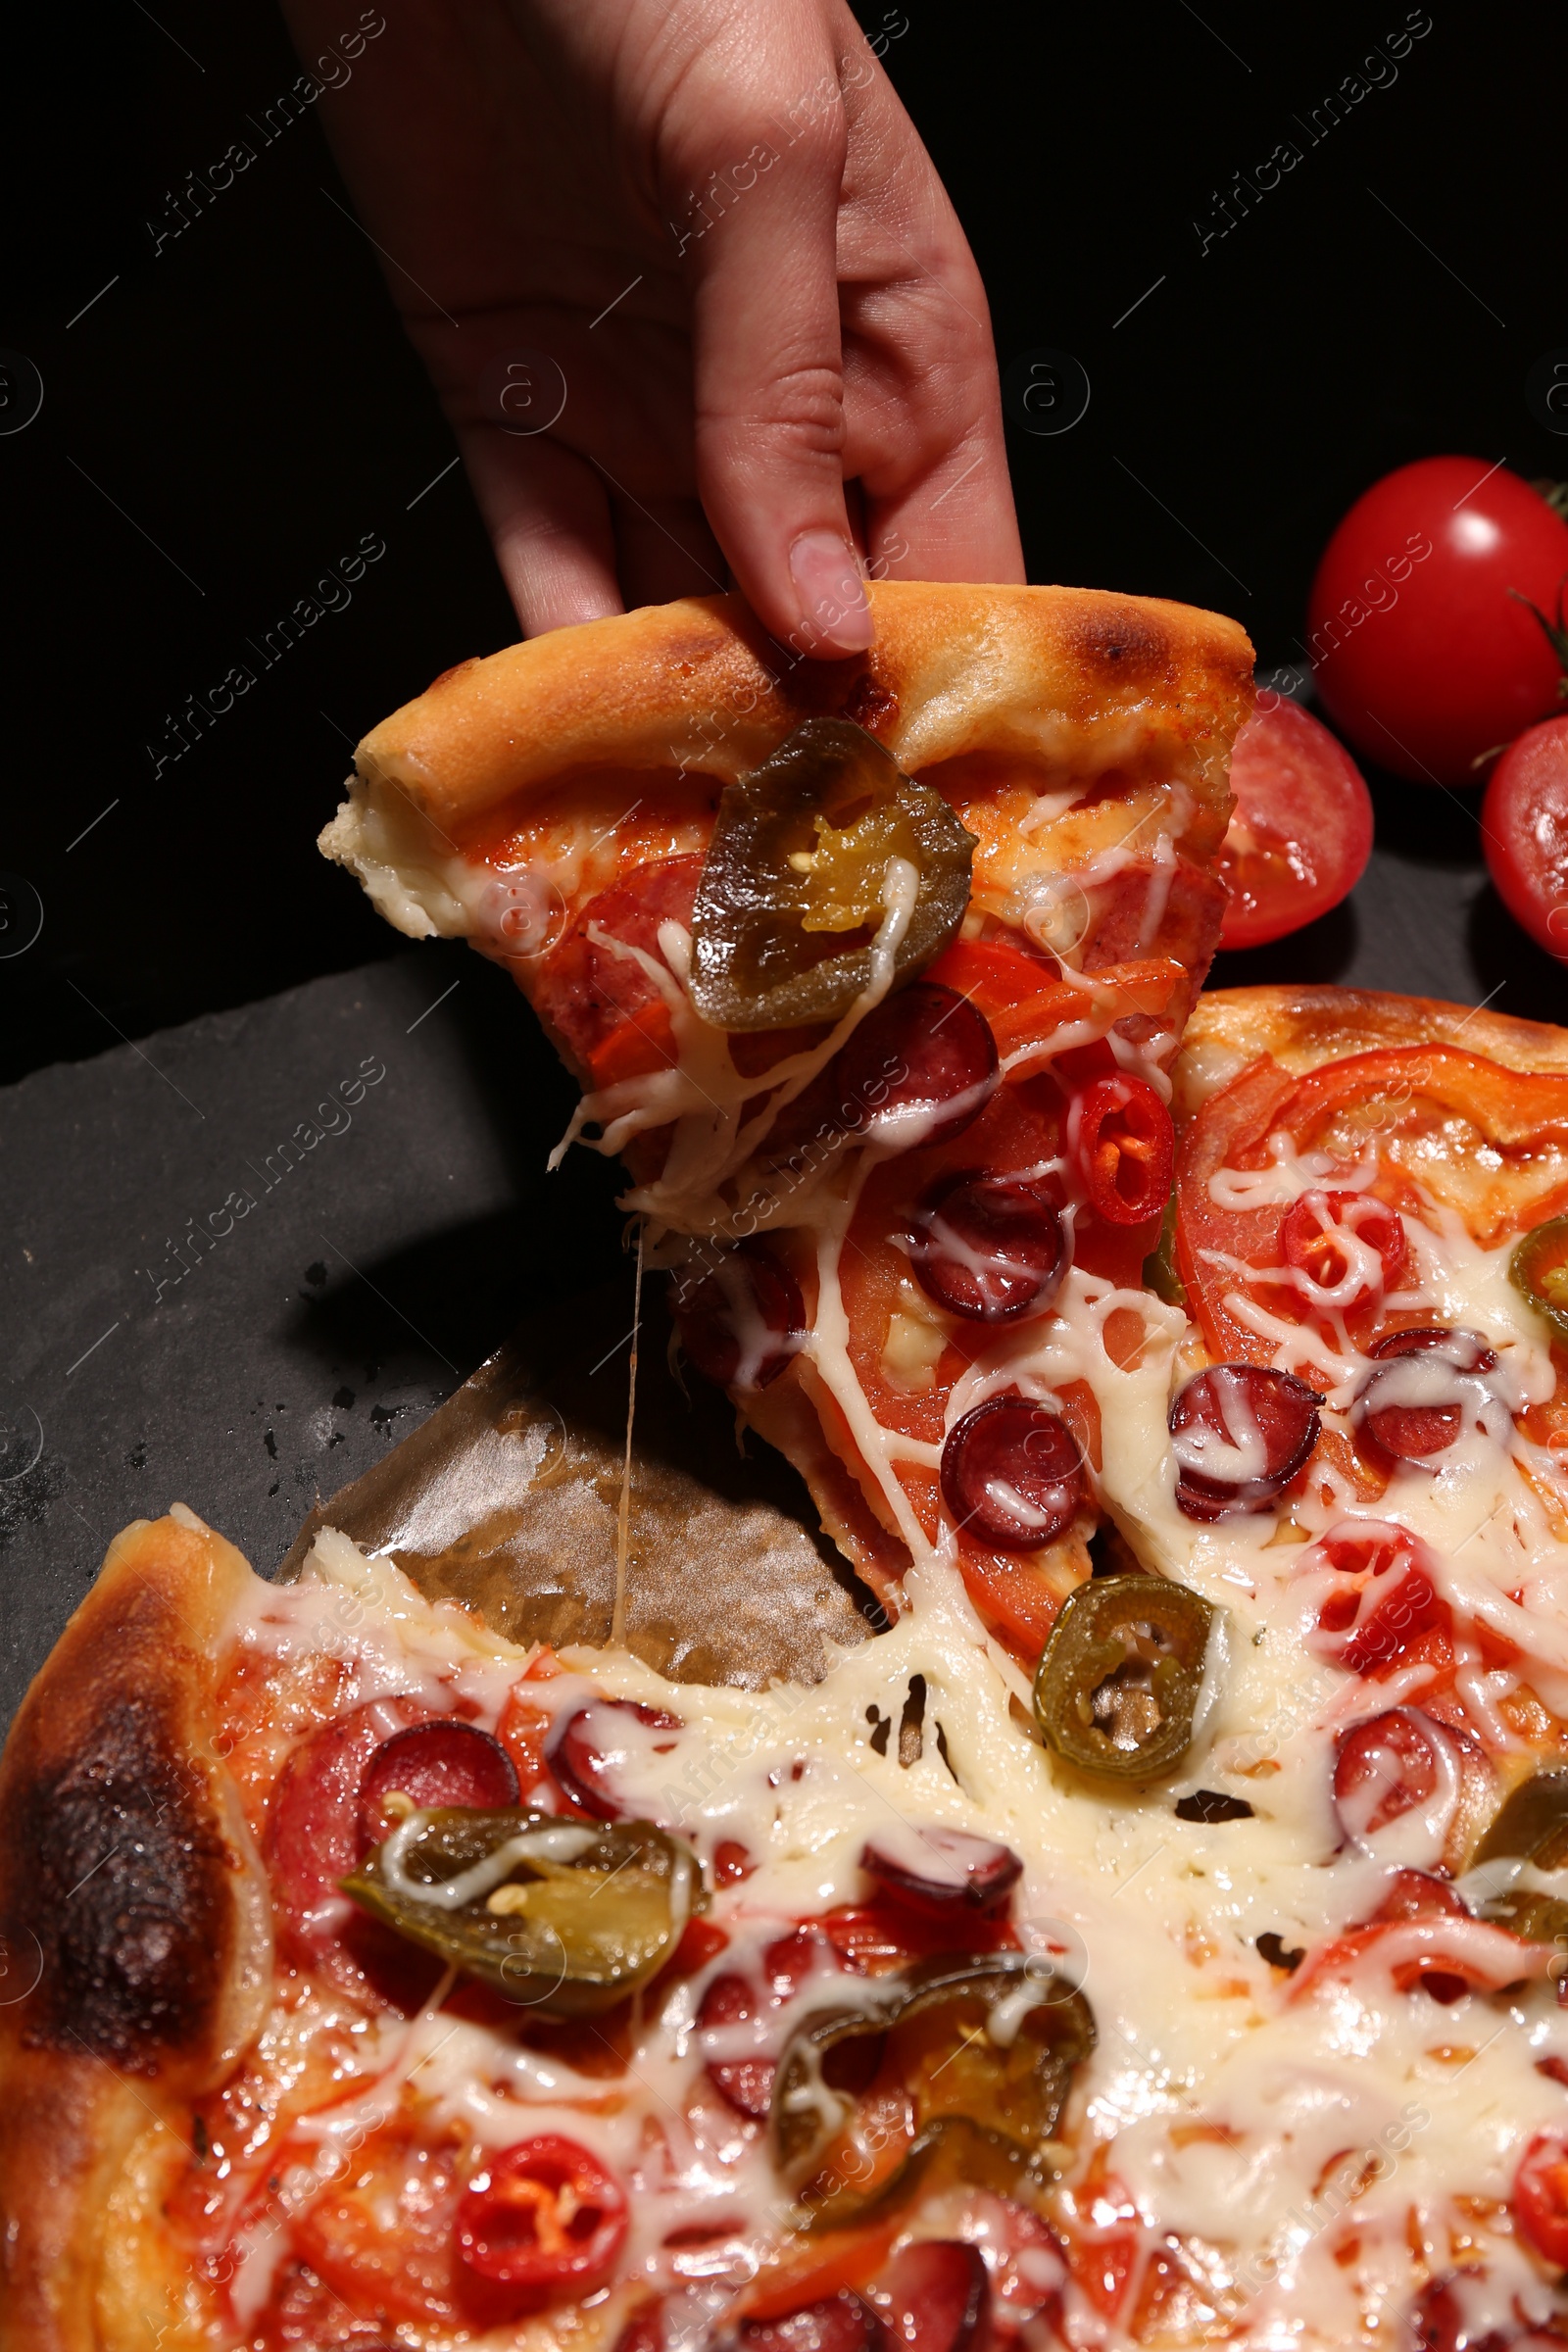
x: 543, y: 2214
x: 602, y: 998
x: 1351, y: 1246
x: 1230, y: 1217
x: 1541, y: 2196
x: 1120, y: 1136
x: 1300, y: 832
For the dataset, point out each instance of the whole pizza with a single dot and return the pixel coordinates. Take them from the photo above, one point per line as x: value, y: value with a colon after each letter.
x: 1154, y: 1935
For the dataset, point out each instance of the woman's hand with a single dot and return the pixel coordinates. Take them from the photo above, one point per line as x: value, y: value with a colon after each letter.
x: 706, y: 233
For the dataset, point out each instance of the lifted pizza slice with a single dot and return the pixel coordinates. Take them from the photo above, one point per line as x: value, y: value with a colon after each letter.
x: 871, y: 972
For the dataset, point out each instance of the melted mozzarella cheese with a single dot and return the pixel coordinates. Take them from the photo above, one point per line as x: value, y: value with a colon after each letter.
x: 1267, y: 2125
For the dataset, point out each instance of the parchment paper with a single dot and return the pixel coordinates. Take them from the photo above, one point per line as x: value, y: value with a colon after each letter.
x: 507, y: 1499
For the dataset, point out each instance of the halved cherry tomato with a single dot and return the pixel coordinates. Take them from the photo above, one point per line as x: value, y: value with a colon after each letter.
x: 1300, y: 832
x: 1541, y: 2196
x: 542, y: 2214
x: 1351, y: 1245
x: 1524, y: 832
x: 1425, y: 651
x: 1120, y: 1136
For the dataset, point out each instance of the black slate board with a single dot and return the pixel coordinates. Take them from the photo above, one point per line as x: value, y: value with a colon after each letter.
x: 376, y: 1267
x: 399, y: 1250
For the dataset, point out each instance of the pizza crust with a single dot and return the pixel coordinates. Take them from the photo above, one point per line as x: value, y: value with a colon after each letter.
x: 699, y: 685
x: 131, y: 1893
x: 1303, y: 1028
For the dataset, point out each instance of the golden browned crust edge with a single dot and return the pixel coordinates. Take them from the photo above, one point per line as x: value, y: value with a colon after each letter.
x: 1304, y: 1027
x: 698, y: 684
x: 128, y: 1895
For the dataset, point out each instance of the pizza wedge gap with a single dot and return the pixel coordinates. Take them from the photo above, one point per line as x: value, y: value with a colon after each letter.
x: 870, y: 972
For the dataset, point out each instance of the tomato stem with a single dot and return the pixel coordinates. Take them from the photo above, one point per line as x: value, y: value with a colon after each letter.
x: 1556, y: 632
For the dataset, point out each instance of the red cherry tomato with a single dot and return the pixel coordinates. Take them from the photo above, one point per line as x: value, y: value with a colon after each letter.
x: 1300, y: 832
x: 1421, y: 653
x: 1320, y: 1235
x: 1120, y: 1135
x: 1011, y: 1473
x: 1541, y: 2196
x: 1524, y: 831
x: 542, y: 2214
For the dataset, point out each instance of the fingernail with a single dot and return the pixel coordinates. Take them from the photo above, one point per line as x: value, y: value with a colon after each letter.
x: 833, y: 602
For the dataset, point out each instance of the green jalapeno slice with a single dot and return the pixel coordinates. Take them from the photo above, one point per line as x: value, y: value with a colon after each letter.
x: 1159, y: 1266
x: 1118, y: 1685
x: 1535, y: 1917
x: 1539, y: 1271
x: 1530, y: 1825
x: 565, y: 1917
x: 794, y: 883
x: 976, y: 2054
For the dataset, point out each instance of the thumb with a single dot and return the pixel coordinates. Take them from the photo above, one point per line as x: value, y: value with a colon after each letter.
x: 768, y: 378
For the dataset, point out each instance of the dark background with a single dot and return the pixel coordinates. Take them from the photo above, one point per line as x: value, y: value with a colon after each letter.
x: 231, y: 414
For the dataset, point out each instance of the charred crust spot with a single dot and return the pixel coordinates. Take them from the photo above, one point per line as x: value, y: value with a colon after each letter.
x: 459, y: 670
x: 1120, y: 643
x: 871, y: 706
x: 120, y: 1871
